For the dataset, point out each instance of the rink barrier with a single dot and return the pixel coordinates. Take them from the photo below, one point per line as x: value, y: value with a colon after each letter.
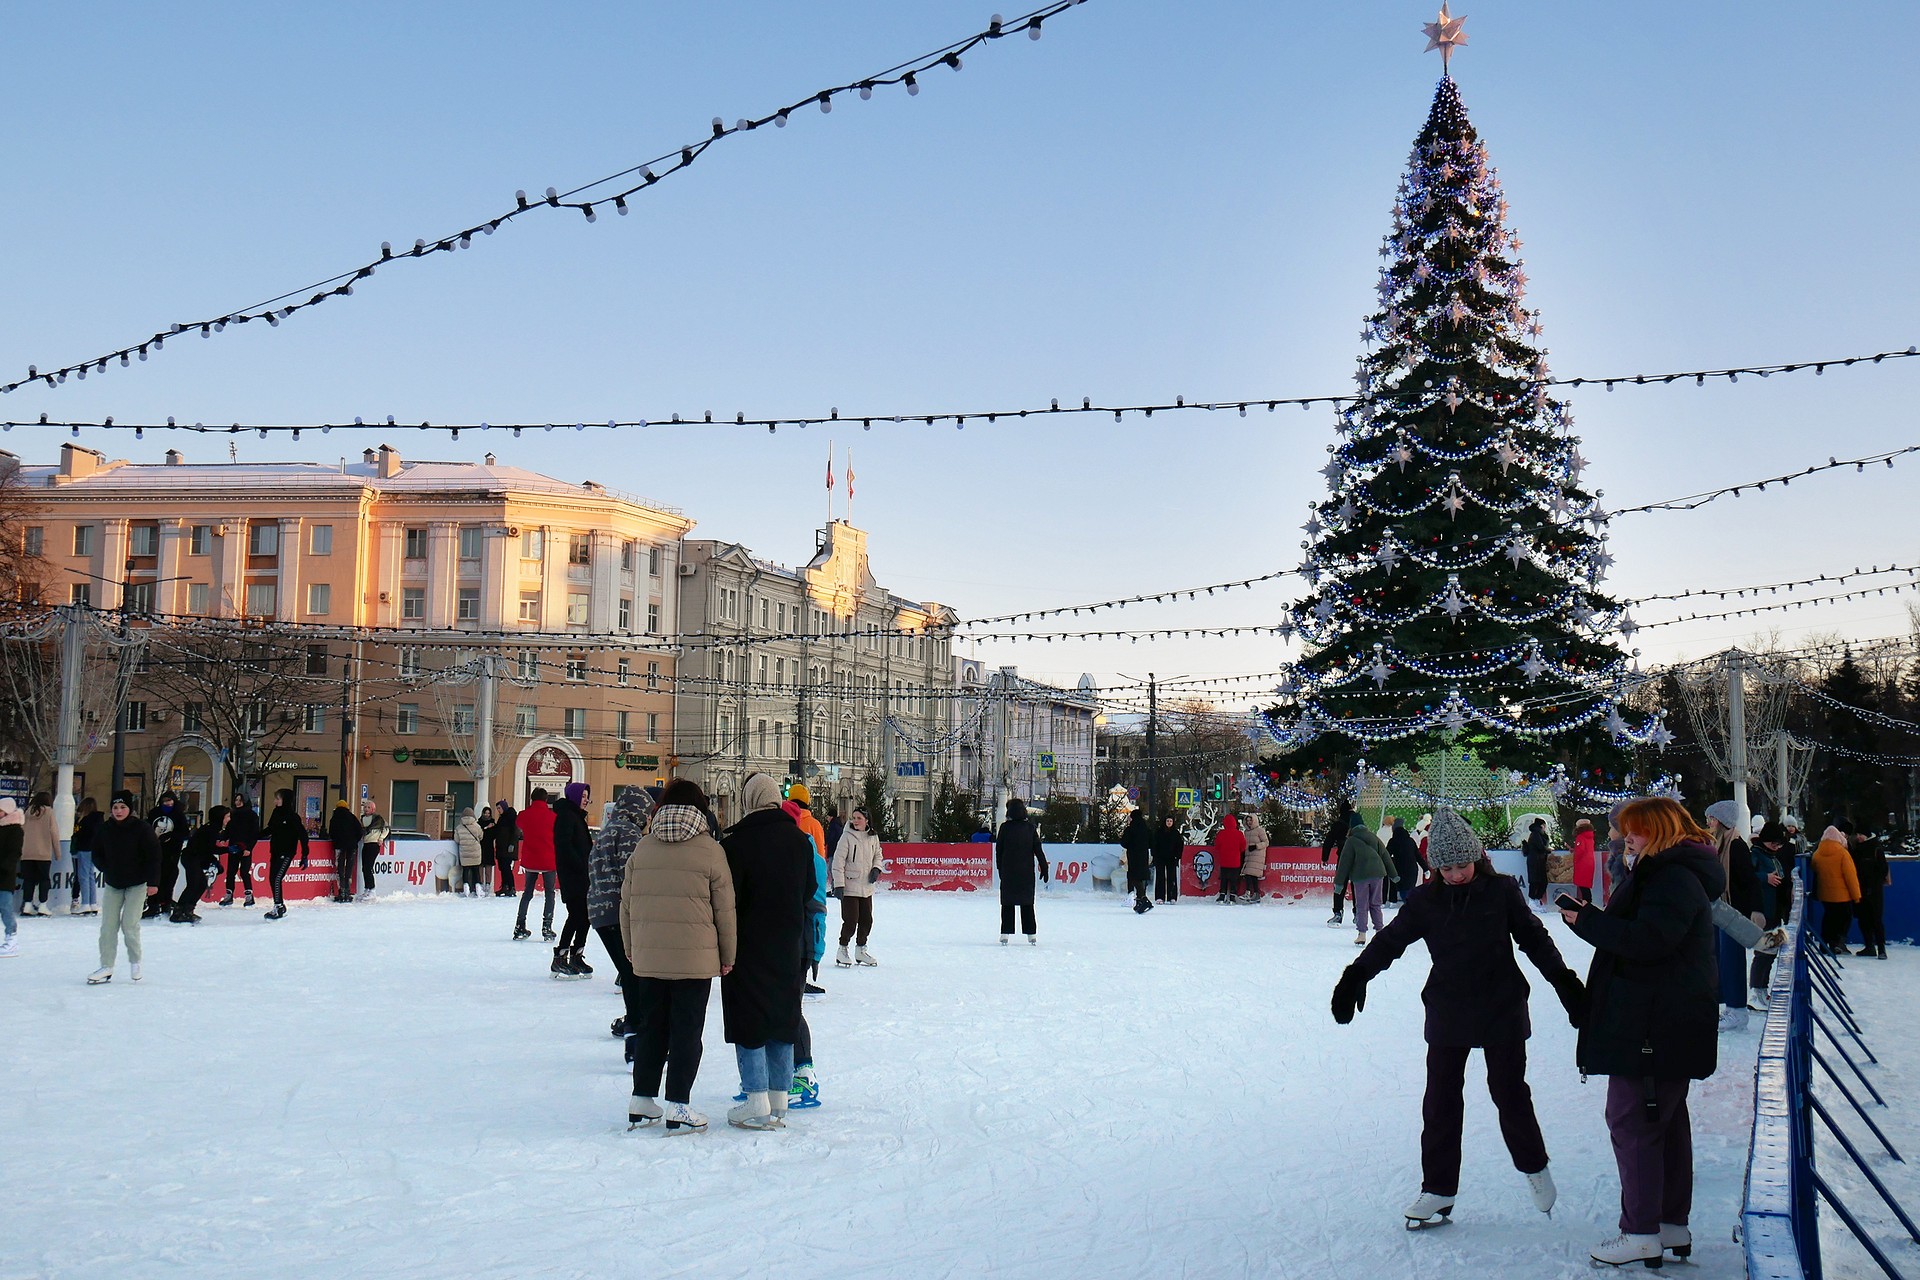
x: 1780, y: 1226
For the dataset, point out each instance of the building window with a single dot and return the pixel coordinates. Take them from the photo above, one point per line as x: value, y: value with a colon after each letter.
x: 530, y: 607
x: 779, y: 671
x: 138, y: 597
x: 316, y: 659
x: 406, y: 718
x: 626, y: 556
x: 319, y: 597
x: 193, y: 717
x: 199, y: 540
x: 136, y: 717
x: 320, y: 540
x: 471, y: 537
x: 83, y: 539
x: 465, y: 718
x: 530, y: 666
x: 579, y: 548
x: 256, y: 719
x: 575, y: 722
x: 621, y: 669
x: 143, y: 540
x: 526, y: 721
x: 533, y: 544
x: 403, y: 814
x: 36, y: 541
x: 263, y: 599
x: 780, y: 617
x: 763, y: 669
x: 314, y: 719
x: 576, y: 669
x: 720, y: 738
x: 653, y: 675
x: 620, y: 726
x: 653, y: 619
x: 263, y: 539
x: 763, y: 737
x: 199, y: 598
x: 409, y: 664
x: 413, y: 603
x: 466, y: 607
x: 576, y: 608
x: 779, y: 738
x: 625, y: 611
x: 653, y: 562
x: 653, y: 726
x: 416, y: 543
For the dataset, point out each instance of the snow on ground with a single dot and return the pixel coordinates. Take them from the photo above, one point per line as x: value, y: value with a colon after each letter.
x: 1881, y: 993
x: 396, y: 1089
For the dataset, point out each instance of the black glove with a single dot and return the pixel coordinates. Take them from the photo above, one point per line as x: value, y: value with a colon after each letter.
x: 1573, y: 996
x: 1043, y: 873
x: 873, y: 876
x: 834, y: 893
x: 1349, y: 993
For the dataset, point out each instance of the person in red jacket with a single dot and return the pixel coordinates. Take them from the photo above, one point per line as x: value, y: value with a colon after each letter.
x: 1583, y: 862
x: 1229, y: 848
x: 536, y: 862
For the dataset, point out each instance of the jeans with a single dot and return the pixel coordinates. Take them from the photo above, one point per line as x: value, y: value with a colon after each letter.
x: 765, y: 1068
x: 671, y: 1014
x: 120, y: 915
x: 1027, y: 923
x: 856, y: 920
x: 1366, y: 902
x: 85, y: 891
x: 544, y: 878
x: 1444, y: 1108
x: 9, y: 910
x: 1654, y: 1153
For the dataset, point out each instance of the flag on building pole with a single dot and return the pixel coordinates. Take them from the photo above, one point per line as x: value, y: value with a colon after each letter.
x: 849, y: 486
x: 829, y: 482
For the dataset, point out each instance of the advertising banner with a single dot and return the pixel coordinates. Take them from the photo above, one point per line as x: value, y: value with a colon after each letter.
x: 967, y: 868
x: 404, y: 866
x: 1292, y: 875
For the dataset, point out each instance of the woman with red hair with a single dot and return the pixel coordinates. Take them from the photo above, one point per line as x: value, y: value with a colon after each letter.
x: 1652, y: 1021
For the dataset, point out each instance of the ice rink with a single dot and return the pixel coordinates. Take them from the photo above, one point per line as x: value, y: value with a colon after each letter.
x: 396, y: 1089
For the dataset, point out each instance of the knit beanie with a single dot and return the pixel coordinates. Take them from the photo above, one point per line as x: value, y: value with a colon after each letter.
x: 798, y: 792
x: 1452, y: 843
x: 1726, y: 813
x: 123, y: 797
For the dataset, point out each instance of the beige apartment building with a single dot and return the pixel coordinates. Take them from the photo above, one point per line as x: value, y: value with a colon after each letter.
x: 817, y: 673
x: 387, y: 597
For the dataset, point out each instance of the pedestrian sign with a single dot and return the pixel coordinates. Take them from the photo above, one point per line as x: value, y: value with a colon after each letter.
x: 1185, y: 797
x: 1046, y: 762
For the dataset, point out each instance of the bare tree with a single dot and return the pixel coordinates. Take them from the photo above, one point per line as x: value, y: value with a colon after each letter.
x: 23, y: 569
x: 31, y: 686
x: 242, y: 690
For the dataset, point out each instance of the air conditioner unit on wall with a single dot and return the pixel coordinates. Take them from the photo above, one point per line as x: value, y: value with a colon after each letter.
x: 688, y: 570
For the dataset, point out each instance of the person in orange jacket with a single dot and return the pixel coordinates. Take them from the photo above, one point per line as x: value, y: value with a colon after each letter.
x: 1837, y: 885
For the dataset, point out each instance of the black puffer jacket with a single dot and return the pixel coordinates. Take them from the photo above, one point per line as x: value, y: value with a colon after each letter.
x: 1743, y: 888
x: 1017, y: 856
x: 1168, y: 844
x: 773, y: 879
x: 572, y: 845
x: 1653, y: 990
x: 1137, y: 840
x: 1475, y: 994
x: 126, y: 853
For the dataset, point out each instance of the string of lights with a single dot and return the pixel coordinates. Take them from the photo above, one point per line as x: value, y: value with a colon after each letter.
x: 589, y: 199
x: 1780, y: 605
x: 955, y: 418
x: 1865, y: 713
x: 1774, y: 588
x: 1868, y: 757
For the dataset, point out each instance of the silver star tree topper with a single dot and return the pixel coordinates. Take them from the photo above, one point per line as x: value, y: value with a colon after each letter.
x: 1446, y: 34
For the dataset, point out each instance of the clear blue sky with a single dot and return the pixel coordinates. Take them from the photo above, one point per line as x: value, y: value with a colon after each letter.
x: 1152, y: 200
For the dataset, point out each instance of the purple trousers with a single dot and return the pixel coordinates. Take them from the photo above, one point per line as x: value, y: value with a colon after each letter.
x: 1654, y: 1154
x: 1367, y: 897
x: 1444, y: 1109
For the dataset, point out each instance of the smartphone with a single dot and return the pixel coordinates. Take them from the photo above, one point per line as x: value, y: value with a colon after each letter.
x: 1567, y: 902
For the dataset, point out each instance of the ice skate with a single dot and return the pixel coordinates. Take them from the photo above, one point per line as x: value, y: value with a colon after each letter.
x: 1677, y: 1240
x: 682, y: 1118
x: 841, y: 960
x: 1757, y: 999
x: 1004, y: 938
x: 562, y: 966
x: 99, y: 976
x: 9, y: 947
x: 1428, y: 1210
x: 521, y: 931
x: 1544, y: 1192
x: 1733, y: 1019
x: 864, y: 958
x: 1622, y: 1249
x: 777, y: 1106
x: 1033, y: 939
x: 547, y: 934
x: 642, y: 1111
x: 804, y: 1093
x: 755, y: 1113
x: 227, y: 901
x: 1335, y: 920
x: 1359, y: 939
x: 577, y: 958
x: 813, y: 990
x: 275, y: 912
x: 133, y: 970
x: 249, y: 901
x: 619, y: 1027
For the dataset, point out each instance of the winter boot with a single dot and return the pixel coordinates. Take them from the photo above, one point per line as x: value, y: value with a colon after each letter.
x: 521, y: 931
x: 864, y: 958
x: 1544, y: 1192
x: 1428, y: 1210
x: 578, y: 958
x: 1622, y: 1249
x: 1676, y: 1239
x: 682, y: 1118
x: 642, y: 1111
x: 560, y: 968
x: 842, y: 960
x: 804, y: 1093
x: 755, y: 1113
x: 100, y: 975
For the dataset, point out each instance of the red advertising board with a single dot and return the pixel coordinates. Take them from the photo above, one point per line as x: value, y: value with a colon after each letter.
x: 410, y: 861
x: 967, y: 868
x: 1292, y: 875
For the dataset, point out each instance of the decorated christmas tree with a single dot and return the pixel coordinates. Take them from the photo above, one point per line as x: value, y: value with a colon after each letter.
x: 1456, y: 564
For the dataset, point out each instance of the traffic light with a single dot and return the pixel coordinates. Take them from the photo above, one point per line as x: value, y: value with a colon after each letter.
x: 1217, y: 786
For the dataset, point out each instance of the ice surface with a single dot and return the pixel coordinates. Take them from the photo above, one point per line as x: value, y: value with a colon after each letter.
x: 396, y: 1089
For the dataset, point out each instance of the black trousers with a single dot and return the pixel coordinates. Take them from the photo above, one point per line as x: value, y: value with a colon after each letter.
x: 35, y: 877
x: 856, y: 920
x: 544, y: 879
x: 368, y: 854
x: 1536, y: 876
x: 343, y: 872
x: 672, y: 1014
x: 1339, y: 904
x: 1443, y: 1110
x: 1871, y: 915
x: 240, y: 864
x: 196, y: 887
x: 505, y: 866
x: 573, y: 933
x: 629, y: 985
x: 803, y: 1044
x: 1836, y: 918
x: 1166, y: 882
x: 1139, y: 881
x: 1027, y: 923
x: 277, y: 865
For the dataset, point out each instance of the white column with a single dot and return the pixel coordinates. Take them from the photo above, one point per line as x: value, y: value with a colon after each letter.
x: 386, y: 583
x: 169, y: 591
x: 495, y: 608
x: 442, y: 571
x: 604, y: 582
x: 553, y: 581
x: 110, y: 565
x: 287, y: 592
x: 229, y: 587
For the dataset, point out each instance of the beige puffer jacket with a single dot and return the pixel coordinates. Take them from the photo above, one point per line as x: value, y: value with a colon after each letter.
x: 676, y: 903
x: 466, y: 839
x: 856, y: 856
x: 1254, y: 861
x: 40, y: 844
